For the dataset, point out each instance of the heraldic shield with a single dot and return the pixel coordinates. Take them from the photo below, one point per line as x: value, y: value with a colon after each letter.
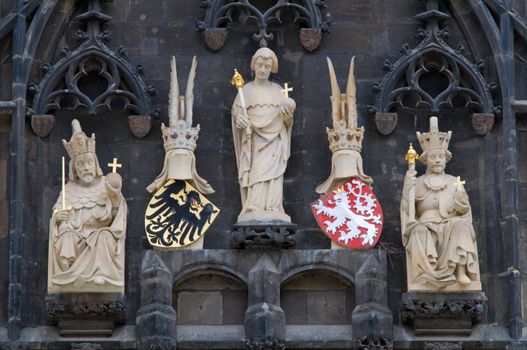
x: 178, y: 215
x: 350, y: 215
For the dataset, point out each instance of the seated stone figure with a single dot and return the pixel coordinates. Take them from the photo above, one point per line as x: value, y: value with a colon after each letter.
x: 87, y: 230
x: 436, y: 223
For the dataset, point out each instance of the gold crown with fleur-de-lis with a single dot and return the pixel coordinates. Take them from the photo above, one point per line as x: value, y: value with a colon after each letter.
x: 79, y: 142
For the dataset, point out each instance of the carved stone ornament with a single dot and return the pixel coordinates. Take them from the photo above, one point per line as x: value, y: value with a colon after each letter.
x: 268, y: 235
x: 140, y: 125
x: 463, y: 88
x: 262, y: 121
x: 87, y: 229
x: 443, y: 346
x: 267, y: 343
x: 385, y: 122
x: 179, y: 137
x: 482, y: 122
x: 86, y: 346
x: 373, y: 343
x: 220, y: 14
x: 114, y: 310
x: 345, y: 139
x: 66, y: 83
x: 42, y: 125
x: 437, y: 265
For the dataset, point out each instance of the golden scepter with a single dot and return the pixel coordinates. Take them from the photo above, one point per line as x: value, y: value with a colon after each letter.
x: 237, y: 81
x: 411, y: 157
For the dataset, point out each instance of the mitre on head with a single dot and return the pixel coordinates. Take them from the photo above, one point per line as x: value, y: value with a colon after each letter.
x: 79, y: 142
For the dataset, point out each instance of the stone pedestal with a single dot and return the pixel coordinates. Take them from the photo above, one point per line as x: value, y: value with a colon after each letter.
x: 256, y: 235
x: 443, y: 313
x: 86, y: 314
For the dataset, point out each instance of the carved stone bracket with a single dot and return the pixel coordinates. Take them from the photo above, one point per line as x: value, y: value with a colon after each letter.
x: 140, y: 125
x: 260, y: 235
x: 373, y: 343
x: 220, y: 13
x: 84, y: 315
x: 266, y: 343
x: 66, y: 84
x: 42, y: 125
x: 447, y: 313
x: 433, y: 77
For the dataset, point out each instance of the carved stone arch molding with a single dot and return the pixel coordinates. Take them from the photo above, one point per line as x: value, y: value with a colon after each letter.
x: 115, y: 83
x: 433, y: 77
x: 220, y: 14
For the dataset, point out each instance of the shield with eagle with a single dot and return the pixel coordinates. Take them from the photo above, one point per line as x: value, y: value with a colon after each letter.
x: 350, y: 215
x: 178, y: 215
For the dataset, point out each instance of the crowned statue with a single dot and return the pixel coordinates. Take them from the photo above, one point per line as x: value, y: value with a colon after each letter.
x: 262, y: 119
x: 87, y: 229
x: 436, y: 222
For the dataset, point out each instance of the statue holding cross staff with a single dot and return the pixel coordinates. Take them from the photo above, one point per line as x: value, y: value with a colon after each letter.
x: 436, y: 221
x: 262, y: 119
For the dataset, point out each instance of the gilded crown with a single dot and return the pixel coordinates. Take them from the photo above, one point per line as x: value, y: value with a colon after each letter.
x: 341, y: 137
x: 180, y: 135
x: 79, y: 142
x: 434, y: 138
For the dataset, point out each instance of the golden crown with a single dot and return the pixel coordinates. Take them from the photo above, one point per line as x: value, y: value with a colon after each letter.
x: 342, y: 137
x: 79, y: 142
x: 434, y: 138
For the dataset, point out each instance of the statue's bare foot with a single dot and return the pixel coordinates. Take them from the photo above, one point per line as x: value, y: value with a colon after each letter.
x: 98, y: 281
x: 461, y: 275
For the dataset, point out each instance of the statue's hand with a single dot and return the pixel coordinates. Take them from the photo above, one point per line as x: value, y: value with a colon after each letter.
x: 114, y: 180
x: 410, y: 179
x: 62, y: 215
x: 242, y: 122
x: 287, y: 108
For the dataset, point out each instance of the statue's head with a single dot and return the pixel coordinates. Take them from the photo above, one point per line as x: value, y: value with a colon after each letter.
x: 84, y: 164
x: 264, y: 62
x: 435, y: 147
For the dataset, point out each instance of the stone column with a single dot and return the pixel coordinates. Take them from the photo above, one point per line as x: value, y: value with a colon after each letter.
x: 372, y: 319
x: 264, y: 318
x: 156, y: 318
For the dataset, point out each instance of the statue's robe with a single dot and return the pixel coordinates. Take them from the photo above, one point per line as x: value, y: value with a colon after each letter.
x: 442, y: 237
x: 90, y: 244
x: 262, y: 155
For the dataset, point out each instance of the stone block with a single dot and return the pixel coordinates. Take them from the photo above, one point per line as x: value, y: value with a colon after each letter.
x: 205, y: 308
x: 234, y: 306
x: 326, y: 307
x: 294, y: 304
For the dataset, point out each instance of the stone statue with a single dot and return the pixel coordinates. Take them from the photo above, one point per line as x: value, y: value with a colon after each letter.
x: 345, y: 139
x: 179, y: 137
x: 436, y: 222
x: 87, y: 229
x: 262, y: 119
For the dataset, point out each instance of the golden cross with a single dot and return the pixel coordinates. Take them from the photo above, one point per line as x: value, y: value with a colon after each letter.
x: 459, y: 184
x: 114, y: 165
x: 286, y: 90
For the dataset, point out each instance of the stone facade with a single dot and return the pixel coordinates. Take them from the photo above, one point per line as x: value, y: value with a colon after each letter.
x: 301, y: 296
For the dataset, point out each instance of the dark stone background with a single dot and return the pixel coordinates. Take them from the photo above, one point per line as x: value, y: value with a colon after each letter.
x: 151, y: 31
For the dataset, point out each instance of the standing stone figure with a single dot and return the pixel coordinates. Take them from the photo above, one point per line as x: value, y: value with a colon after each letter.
x: 436, y: 223
x: 262, y: 141
x: 87, y: 230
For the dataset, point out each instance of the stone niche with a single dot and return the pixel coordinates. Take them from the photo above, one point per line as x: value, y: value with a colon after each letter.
x: 317, y: 297
x: 210, y: 298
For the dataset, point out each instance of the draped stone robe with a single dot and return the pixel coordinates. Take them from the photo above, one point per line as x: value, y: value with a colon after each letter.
x: 90, y: 245
x: 442, y: 237
x: 262, y: 155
